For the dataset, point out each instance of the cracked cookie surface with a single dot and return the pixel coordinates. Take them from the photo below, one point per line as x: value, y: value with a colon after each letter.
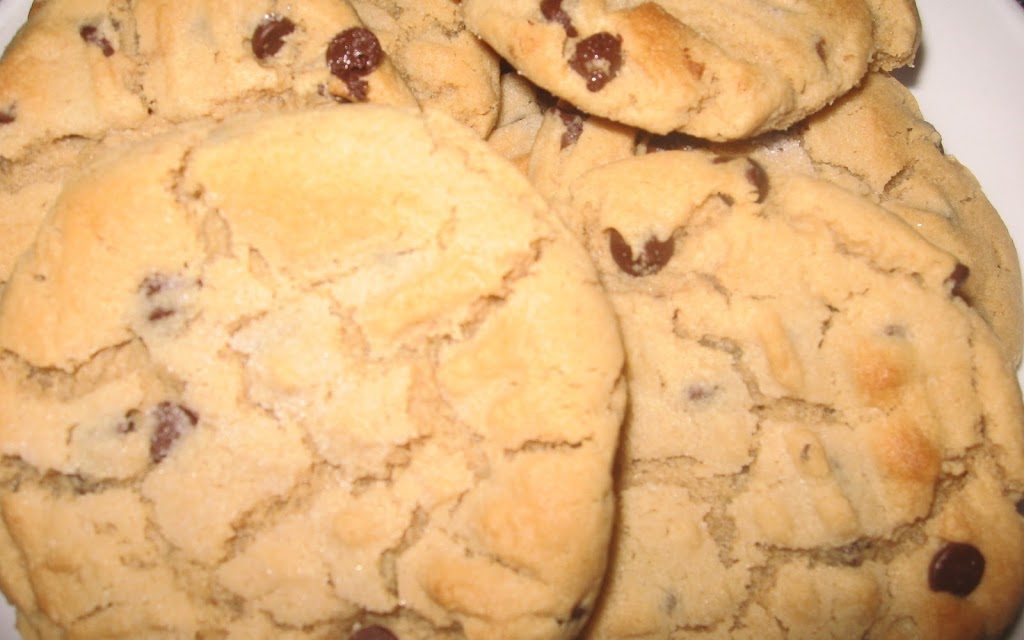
x: 385, y: 402
x: 82, y: 71
x: 823, y: 438
x: 873, y: 142
x: 720, y: 70
x: 445, y: 65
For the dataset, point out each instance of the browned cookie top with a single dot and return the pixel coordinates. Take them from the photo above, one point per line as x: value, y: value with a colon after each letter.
x: 720, y: 70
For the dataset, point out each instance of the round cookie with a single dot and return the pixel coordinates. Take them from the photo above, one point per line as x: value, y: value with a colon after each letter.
x: 720, y: 71
x: 824, y: 440
x: 81, y: 71
x: 874, y: 142
x: 309, y: 375
x: 444, y: 64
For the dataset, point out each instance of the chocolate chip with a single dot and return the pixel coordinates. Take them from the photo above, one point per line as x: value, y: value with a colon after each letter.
x: 352, y: 54
x: 957, y: 280
x: 597, y: 58
x: 957, y: 568
x: 577, y: 613
x: 375, y: 632
x: 655, y: 255
x: 159, y: 314
x: 1020, y: 506
x: 172, y: 420
x: 153, y: 284
x: 895, y: 331
x: 552, y: 10
x: 697, y: 392
x: 92, y: 35
x: 757, y: 176
x: 820, y: 48
x: 268, y: 36
x: 127, y: 425
x: 7, y: 116
x: 573, y: 119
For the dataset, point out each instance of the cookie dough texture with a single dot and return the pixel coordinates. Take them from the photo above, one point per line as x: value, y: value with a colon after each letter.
x: 296, y: 376
x: 720, y: 71
x: 818, y: 422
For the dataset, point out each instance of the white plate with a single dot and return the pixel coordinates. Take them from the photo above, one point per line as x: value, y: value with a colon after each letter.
x: 969, y: 80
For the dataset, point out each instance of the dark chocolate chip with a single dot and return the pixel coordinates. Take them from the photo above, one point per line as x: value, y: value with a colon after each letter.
x: 698, y: 392
x: 159, y: 314
x: 655, y: 255
x: 7, y: 116
x: 957, y: 280
x: 895, y: 331
x: 820, y: 48
x: 352, y: 54
x: 552, y: 10
x: 757, y: 176
x: 573, y: 119
x: 957, y: 568
x: 375, y: 632
x: 1020, y: 506
x: 128, y: 424
x: 268, y: 36
x: 153, y: 284
x: 577, y: 613
x: 172, y: 420
x: 597, y: 58
x: 92, y: 35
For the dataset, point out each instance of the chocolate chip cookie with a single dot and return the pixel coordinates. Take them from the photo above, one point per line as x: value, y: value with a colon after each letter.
x: 444, y: 64
x: 876, y: 142
x: 719, y: 71
x: 82, y: 71
x: 334, y: 373
x: 824, y: 439
x: 873, y: 142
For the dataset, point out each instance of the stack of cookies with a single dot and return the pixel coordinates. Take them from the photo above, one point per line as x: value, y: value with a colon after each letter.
x: 531, y: 319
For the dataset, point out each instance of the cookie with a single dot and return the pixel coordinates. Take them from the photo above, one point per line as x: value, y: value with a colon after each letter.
x: 823, y: 438
x: 444, y: 64
x: 80, y: 71
x: 720, y: 71
x: 334, y: 373
x: 876, y: 142
x: 83, y: 67
x: 873, y: 142
x: 520, y: 114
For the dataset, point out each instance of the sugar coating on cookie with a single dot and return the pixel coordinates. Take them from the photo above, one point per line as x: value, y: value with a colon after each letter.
x: 824, y: 439
x: 721, y: 71
x: 337, y: 373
